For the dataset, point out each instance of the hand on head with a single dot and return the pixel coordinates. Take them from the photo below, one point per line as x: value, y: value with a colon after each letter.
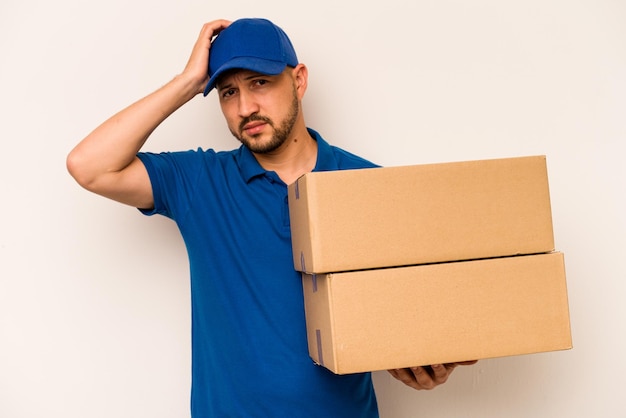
x: 198, y: 63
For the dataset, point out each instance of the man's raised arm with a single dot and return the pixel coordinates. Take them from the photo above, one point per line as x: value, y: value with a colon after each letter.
x: 106, y: 162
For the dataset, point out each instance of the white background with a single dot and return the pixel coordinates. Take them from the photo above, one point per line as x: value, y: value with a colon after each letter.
x: 94, y: 297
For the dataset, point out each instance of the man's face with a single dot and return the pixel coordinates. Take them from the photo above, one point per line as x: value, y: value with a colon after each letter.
x: 260, y: 110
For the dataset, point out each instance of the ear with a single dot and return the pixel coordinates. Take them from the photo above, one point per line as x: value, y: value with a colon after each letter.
x: 300, y: 78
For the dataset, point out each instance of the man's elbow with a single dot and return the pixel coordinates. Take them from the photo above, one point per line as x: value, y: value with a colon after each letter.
x: 79, y: 170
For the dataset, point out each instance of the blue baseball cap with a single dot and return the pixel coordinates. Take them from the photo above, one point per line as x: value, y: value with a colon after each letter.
x: 250, y: 44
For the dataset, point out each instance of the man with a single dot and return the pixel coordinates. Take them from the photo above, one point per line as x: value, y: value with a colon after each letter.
x: 249, y: 350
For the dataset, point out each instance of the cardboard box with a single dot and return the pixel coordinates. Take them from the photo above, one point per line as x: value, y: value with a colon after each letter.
x: 396, y: 216
x: 437, y: 313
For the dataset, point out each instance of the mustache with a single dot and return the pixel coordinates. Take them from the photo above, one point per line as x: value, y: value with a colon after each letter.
x: 253, y: 118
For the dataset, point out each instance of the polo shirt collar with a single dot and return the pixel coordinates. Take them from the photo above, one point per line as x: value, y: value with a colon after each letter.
x: 325, y: 157
x: 250, y: 167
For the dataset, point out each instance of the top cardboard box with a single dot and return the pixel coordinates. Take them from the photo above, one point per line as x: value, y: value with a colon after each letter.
x: 398, y: 216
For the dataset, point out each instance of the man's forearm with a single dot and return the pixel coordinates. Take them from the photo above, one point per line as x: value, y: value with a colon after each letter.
x: 113, y: 145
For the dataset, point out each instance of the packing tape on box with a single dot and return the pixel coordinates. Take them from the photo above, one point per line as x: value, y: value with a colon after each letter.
x: 320, y: 356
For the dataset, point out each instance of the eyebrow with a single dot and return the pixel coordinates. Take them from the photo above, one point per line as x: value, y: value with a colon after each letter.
x: 220, y: 83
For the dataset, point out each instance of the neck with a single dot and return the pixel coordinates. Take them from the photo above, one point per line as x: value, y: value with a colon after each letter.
x: 294, y: 158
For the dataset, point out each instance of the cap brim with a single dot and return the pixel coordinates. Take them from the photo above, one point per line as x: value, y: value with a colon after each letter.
x: 258, y: 65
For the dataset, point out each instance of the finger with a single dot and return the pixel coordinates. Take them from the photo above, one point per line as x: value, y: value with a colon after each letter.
x: 405, y: 376
x: 466, y: 363
x: 208, y: 32
x: 211, y: 29
x: 441, y: 372
x: 423, y: 378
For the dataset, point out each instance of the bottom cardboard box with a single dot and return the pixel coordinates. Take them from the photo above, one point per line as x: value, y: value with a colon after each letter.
x: 437, y: 313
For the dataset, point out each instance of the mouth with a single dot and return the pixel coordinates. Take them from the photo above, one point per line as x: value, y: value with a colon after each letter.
x: 254, y: 125
x: 254, y: 128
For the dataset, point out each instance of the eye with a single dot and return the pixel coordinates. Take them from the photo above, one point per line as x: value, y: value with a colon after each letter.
x: 260, y: 82
x: 228, y: 92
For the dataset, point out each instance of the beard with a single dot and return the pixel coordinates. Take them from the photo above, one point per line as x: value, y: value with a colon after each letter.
x: 280, y: 135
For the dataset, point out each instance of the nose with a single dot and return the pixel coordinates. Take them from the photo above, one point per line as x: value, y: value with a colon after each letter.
x: 247, y: 104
